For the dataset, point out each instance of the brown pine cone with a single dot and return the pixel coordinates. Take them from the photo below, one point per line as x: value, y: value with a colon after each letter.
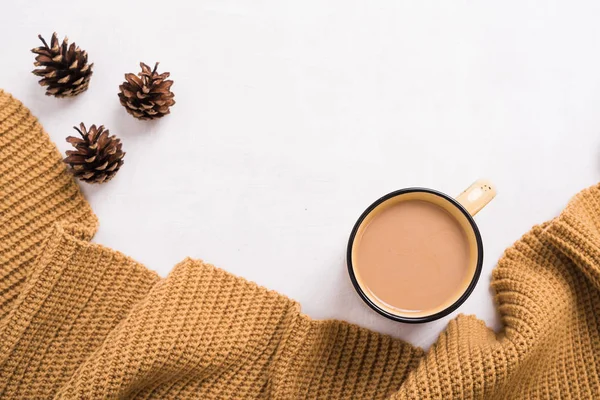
x: 65, y: 69
x: 148, y: 95
x: 97, y: 157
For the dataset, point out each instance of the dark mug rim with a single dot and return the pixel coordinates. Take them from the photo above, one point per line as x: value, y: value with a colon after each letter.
x: 445, y: 311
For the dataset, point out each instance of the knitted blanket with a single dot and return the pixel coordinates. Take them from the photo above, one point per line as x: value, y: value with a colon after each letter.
x: 82, y: 321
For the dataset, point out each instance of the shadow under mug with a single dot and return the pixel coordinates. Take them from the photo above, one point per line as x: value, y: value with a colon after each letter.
x: 462, y: 208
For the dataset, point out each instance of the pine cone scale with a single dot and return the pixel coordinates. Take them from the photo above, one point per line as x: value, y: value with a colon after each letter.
x: 74, y: 140
x: 75, y: 158
x: 133, y: 80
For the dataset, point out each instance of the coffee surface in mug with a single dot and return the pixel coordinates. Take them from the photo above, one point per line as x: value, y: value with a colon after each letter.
x: 413, y: 256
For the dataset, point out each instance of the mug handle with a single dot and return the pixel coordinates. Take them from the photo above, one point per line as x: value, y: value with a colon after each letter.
x: 476, y: 196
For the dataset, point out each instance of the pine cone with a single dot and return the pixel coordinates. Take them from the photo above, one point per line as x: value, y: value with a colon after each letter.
x: 148, y: 96
x: 65, y: 70
x: 97, y: 157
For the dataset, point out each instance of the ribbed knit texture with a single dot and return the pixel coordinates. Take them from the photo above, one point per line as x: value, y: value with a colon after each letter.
x: 81, y: 321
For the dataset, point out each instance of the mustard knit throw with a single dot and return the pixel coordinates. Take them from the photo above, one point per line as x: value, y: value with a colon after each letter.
x: 81, y: 321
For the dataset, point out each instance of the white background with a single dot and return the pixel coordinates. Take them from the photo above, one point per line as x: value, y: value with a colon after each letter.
x: 293, y: 116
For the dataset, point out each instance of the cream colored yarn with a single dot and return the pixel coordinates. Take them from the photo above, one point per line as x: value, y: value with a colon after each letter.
x: 81, y: 321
